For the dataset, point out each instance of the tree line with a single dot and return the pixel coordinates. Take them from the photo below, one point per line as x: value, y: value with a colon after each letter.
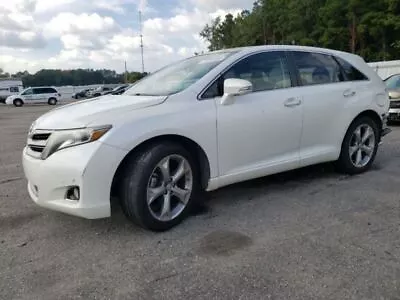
x: 55, y: 77
x: 370, y: 28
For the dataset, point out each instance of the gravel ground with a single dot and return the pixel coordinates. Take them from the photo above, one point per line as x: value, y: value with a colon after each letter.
x: 308, y: 234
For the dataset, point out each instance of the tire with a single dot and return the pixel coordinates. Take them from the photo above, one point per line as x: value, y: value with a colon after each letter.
x: 18, y: 102
x: 96, y: 95
x: 353, y: 147
x: 52, y: 101
x: 140, y: 170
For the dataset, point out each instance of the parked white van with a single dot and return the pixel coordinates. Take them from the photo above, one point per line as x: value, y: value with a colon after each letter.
x: 9, y: 87
x: 204, y: 123
x: 34, y: 95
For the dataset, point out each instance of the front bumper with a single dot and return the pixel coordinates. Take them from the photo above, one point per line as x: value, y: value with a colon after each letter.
x: 394, y: 114
x: 90, y: 167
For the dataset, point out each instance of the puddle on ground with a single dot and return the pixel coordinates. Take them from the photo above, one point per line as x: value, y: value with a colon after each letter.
x: 223, y: 243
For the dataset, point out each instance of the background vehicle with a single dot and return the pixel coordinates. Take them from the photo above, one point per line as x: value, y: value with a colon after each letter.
x: 119, y: 90
x: 81, y: 94
x: 35, y: 95
x: 204, y: 123
x: 393, y: 85
x: 102, y: 90
x: 9, y: 87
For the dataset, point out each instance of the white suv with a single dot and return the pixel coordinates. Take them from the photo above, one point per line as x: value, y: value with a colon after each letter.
x: 203, y: 123
x: 35, y: 95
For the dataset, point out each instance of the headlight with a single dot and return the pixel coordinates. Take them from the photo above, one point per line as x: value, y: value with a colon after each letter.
x: 62, y: 139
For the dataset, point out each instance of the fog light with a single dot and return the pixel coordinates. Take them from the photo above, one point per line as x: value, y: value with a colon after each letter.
x: 73, y: 193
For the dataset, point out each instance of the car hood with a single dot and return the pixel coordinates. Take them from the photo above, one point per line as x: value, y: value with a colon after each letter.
x: 83, y: 113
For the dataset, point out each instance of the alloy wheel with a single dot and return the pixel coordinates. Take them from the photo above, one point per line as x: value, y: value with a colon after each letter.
x: 362, y: 145
x: 169, y: 188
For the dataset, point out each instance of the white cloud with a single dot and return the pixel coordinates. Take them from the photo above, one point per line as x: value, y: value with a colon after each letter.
x: 213, y: 5
x: 103, y: 33
x: 69, y: 23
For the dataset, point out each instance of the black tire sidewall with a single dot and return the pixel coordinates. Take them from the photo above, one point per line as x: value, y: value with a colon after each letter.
x: 52, y: 101
x: 344, y: 162
x: 16, y: 101
x: 140, y: 168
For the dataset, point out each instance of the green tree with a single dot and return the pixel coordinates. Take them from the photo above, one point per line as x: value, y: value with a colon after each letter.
x: 370, y: 28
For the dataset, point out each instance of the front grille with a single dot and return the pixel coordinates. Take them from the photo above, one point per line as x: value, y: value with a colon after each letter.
x: 394, y: 104
x: 37, y: 142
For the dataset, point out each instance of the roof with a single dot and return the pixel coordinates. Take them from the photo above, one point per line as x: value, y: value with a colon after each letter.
x: 250, y: 49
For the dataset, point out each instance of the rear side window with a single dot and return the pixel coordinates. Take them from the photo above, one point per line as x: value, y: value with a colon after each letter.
x: 316, y: 68
x: 350, y: 72
x: 38, y: 91
x: 50, y: 91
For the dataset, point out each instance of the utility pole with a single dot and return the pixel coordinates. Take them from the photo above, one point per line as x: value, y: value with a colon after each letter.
x: 126, y: 74
x: 141, y: 40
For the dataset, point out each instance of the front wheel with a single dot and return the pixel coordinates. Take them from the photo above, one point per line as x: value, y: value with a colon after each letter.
x: 52, y: 101
x: 18, y: 102
x: 359, y: 146
x: 159, y: 186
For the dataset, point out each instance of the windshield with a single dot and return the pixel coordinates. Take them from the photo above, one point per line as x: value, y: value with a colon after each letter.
x: 177, y: 76
x: 393, y: 82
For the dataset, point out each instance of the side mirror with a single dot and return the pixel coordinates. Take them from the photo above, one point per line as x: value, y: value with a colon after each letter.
x: 235, y: 87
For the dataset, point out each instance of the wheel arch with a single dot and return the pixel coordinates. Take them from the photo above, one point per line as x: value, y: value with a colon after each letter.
x: 366, y: 113
x: 190, y: 145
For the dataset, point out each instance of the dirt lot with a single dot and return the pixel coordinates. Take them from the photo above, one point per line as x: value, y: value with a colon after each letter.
x: 308, y: 234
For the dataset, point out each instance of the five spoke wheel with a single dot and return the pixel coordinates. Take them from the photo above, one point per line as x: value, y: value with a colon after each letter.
x: 169, y: 187
x: 362, y: 145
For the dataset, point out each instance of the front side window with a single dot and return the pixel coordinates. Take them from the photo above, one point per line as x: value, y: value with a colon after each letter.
x: 393, y: 82
x: 178, y: 76
x: 266, y: 71
x: 14, y: 89
x: 27, y: 92
x: 350, y: 72
x: 316, y: 68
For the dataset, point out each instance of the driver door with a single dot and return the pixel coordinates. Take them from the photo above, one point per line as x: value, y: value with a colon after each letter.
x: 259, y: 133
x: 27, y: 95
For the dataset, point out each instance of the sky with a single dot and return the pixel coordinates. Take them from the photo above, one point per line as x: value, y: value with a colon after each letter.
x: 68, y: 34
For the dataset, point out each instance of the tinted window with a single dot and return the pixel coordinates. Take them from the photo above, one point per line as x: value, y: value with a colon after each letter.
x: 393, y: 82
x: 44, y: 91
x: 38, y: 91
x: 14, y: 89
x: 266, y: 71
x: 316, y: 68
x: 350, y: 72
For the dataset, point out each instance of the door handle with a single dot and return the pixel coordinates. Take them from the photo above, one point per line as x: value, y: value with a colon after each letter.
x: 349, y: 93
x: 292, y: 102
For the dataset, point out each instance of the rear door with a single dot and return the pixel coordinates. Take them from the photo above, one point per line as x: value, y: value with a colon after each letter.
x: 325, y: 94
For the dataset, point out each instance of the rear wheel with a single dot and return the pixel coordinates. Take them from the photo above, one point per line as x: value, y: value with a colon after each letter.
x: 18, y: 102
x: 52, y: 101
x: 160, y: 186
x: 359, y: 146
